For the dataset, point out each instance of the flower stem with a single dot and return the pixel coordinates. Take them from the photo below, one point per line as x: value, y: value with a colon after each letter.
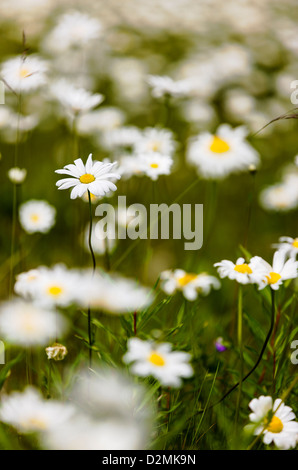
x: 94, y: 268
x: 240, y: 345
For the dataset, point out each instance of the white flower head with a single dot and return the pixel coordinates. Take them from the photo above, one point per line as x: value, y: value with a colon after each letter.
x: 217, y: 156
x: 158, y: 360
x: 190, y: 284
x: 17, y: 175
x: 242, y: 272
x: 27, y: 324
x: 288, y: 245
x: 275, y: 421
x: 74, y: 99
x: 164, y: 85
x: 281, y: 270
x: 155, y: 140
x: 93, y: 177
x: 29, y: 412
x: 155, y: 164
x: 280, y: 197
x: 24, y: 74
x: 37, y: 216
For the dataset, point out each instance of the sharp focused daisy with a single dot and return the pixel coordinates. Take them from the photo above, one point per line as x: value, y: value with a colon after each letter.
x: 216, y: 156
x: 154, y: 164
x: 37, y: 216
x: 93, y: 177
x: 29, y: 412
x: 24, y: 74
x: 26, y: 324
x: 190, y: 284
x: 158, y: 360
x: 288, y: 245
x: 274, y: 421
x: 281, y: 270
x: 241, y: 271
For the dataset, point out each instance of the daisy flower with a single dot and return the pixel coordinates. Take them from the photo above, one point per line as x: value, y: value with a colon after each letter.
x: 25, y: 283
x: 24, y: 74
x: 155, y: 140
x: 275, y: 421
x: 26, y: 324
x: 37, y: 216
x: 74, y: 99
x: 93, y: 177
x: 122, y: 137
x: 130, y: 165
x: 281, y: 270
x: 217, y: 156
x: 100, y: 120
x: 242, y: 272
x: 288, y: 245
x: 280, y: 197
x: 29, y: 412
x: 164, y: 85
x: 17, y: 175
x: 158, y: 360
x: 154, y: 164
x: 189, y: 283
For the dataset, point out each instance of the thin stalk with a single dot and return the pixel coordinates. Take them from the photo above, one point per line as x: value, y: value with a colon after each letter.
x: 94, y: 268
x: 240, y: 345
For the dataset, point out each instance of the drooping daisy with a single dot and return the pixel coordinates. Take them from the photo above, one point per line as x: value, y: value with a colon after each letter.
x: 29, y: 412
x: 281, y: 270
x: 93, y: 177
x: 217, y: 156
x: 24, y: 74
x: 275, y: 421
x: 74, y: 99
x: 154, y: 164
x: 17, y: 175
x: 288, y: 245
x: 242, y: 272
x: 158, y: 360
x: 189, y: 283
x: 164, y: 85
x: 37, y: 216
x: 155, y: 140
x: 26, y: 324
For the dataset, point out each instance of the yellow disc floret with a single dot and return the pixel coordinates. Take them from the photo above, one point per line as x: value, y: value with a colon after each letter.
x: 219, y: 145
x: 156, y: 359
x: 273, y: 278
x: 87, y: 178
x: 275, y: 425
x: 186, y: 279
x: 243, y: 268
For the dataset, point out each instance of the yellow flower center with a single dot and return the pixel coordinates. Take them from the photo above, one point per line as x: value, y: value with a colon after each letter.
x: 154, y: 165
x: 243, y: 269
x: 273, y: 278
x: 154, y: 146
x: 275, y: 425
x: 55, y: 291
x: 218, y: 145
x: 34, y: 217
x: 87, y: 178
x: 28, y: 323
x: 295, y: 243
x: 37, y: 423
x: 186, y: 279
x: 24, y: 73
x: 156, y: 359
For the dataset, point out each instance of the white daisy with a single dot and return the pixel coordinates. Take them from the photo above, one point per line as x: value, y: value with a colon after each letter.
x: 100, y: 120
x: 24, y: 74
x: 25, y: 282
x: 189, y: 283
x: 29, y: 412
x: 26, y: 324
x: 288, y: 245
x: 158, y: 360
x: 37, y: 216
x: 164, y: 85
x: 93, y: 177
x: 154, y: 164
x: 130, y: 165
x: 281, y: 270
x: 17, y: 175
x: 155, y: 140
x: 280, y: 197
x: 74, y: 99
x: 242, y: 272
x: 122, y: 137
x: 217, y: 156
x: 275, y: 421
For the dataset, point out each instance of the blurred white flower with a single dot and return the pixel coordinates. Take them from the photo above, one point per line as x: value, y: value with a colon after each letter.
x: 17, y: 175
x: 121, y: 137
x: 37, y: 216
x: 93, y: 177
x: 26, y: 324
x: 101, y: 120
x: 159, y: 361
x: 25, y: 283
x: 154, y: 164
x: 164, y: 85
x: 281, y: 270
x: 189, y: 283
x: 24, y: 74
x: 157, y: 140
x: 130, y: 165
x: 29, y: 412
x: 74, y: 99
x: 217, y: 156
x: 274, y: 421
x: 280, y: 197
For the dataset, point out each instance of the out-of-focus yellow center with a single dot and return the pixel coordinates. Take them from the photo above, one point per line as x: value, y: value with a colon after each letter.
x: 154, y: 146
x: 154, y: 165
x: 273, y: 278
x: 243, y: 268
x: 37, y: 423
x: 87, y: 178
x: 186, y: 279
x: 55, y: 291
x: 24, y: 73
x: 275, y: 425
x: 295, y: 243
x: 156, y: 359
x: 28, y: 323
x: 34, y: 217
x: 219, y: 145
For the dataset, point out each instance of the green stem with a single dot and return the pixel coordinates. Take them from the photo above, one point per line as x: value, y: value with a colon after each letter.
x: 240, y: 345
x: 94, y: 268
